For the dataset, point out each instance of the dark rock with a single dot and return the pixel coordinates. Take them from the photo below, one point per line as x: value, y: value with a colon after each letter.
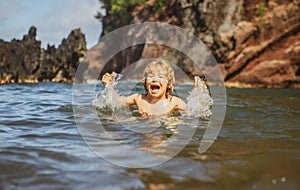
x: 20, y: 59
x: 25, y: 61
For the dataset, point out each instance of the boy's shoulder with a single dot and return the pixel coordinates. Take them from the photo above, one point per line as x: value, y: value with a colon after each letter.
x: 178, y: 103
x: 137, y: 96
x: 176, y: 99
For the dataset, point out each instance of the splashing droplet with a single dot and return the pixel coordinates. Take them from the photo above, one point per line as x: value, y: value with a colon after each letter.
x: 108, y: 98
x: 199, y: 101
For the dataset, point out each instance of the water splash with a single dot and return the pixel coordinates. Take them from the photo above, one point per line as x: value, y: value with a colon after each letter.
x: 199, y: 101
x: 108, y: 97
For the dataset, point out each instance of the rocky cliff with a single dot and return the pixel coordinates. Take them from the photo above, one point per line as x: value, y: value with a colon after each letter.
x: 25, y: 61
x: 255, y: 42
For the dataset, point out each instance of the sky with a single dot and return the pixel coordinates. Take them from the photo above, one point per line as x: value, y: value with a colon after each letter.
x: 54, y: 19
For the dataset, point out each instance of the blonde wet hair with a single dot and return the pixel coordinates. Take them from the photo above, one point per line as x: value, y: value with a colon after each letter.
x: 159, y: 65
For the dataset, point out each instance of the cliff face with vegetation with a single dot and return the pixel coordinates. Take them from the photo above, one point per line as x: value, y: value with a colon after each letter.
x: 25, y: 61
x: 255, y: 42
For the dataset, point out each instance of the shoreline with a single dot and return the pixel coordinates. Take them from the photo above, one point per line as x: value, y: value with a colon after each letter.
x: 226, y: 84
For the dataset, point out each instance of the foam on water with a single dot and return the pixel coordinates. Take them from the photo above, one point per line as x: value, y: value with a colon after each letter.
x: 199, y: 101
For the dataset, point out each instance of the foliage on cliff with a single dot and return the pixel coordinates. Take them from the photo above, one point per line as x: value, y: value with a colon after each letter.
x: 118, y: 13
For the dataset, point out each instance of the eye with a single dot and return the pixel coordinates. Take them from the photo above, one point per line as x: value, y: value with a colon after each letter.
x: 165, y: 78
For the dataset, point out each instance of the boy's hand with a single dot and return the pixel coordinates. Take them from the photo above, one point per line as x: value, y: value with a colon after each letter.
x: 107, y: 78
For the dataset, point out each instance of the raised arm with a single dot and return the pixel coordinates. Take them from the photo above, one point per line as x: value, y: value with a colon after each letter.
x: 123, y: 100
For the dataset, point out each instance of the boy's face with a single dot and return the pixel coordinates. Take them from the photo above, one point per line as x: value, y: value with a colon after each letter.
x: 157, y: 83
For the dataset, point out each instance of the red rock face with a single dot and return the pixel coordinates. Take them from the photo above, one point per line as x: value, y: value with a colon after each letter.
x: 267, y: 50
x: 256, y: 42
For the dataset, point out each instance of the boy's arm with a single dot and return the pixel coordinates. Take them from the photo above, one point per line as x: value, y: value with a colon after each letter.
x: 128, y: 100
x: 124, y: 100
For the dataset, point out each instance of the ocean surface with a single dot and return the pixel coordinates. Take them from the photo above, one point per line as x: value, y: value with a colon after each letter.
x: 41, y: 146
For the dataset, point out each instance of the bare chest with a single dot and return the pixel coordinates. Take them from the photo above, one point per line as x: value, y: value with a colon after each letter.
x: 156, y: 108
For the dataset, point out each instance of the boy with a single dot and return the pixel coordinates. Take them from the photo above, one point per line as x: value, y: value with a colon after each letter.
x: 158, y: 81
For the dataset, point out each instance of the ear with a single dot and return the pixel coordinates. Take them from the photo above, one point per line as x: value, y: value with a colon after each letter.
x: 144, y: 81
x: 169, y: 88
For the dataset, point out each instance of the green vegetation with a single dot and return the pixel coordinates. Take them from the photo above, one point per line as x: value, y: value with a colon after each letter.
x: 119, y: 11
x: 261, y: 12
x: 160, y: 4
x: 261, y: 9
x: 120, y: 7
x: 242, y: 11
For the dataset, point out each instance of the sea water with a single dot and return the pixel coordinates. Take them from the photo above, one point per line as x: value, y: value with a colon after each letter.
x: 41, y: 148
x: 168, y: 133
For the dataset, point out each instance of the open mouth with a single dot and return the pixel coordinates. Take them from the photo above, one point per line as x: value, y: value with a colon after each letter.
x: 155, y: 88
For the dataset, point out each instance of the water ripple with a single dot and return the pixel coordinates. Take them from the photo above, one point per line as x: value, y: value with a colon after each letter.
x: 41, y: 147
